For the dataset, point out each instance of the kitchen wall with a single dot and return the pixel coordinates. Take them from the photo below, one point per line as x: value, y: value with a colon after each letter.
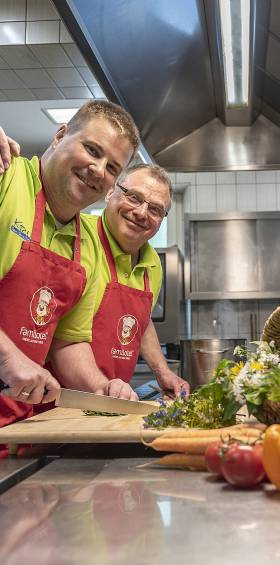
x: 242, y: 191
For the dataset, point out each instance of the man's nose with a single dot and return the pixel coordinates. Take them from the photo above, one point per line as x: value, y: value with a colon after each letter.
x: 141, y: 210
x: 98, y: 168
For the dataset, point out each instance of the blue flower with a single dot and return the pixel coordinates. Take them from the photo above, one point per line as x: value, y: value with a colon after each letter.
x: 162, y: 403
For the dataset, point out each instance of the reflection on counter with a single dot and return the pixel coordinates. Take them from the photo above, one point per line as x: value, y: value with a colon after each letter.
x: 79, y: 511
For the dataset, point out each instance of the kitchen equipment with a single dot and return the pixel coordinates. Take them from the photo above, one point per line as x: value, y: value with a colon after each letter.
x: 216, y: 271
x: 68, y: 398
x: 200, y: 356
x: 169, y: 313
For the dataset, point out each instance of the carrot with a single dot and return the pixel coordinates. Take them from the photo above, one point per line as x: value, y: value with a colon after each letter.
x: 201, y: 432
x: 192, y: 445
x: 247, y: 433
x: 183, y: 461
x: 178, y: 461
x: 197, y: 444
x: 252, y: 430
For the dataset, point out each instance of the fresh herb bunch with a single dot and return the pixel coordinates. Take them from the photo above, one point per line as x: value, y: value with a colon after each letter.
x: 251, y: 381
x: 192, y: 412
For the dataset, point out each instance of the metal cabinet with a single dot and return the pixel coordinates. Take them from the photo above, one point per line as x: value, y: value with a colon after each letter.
x: 232, y: 256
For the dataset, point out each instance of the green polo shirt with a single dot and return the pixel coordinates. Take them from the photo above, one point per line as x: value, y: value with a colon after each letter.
x: 19, y: 186
x: 133, y: 278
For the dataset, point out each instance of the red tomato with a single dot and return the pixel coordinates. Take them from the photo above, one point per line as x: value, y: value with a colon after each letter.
x: 242, y: 465
x: 213, y: 457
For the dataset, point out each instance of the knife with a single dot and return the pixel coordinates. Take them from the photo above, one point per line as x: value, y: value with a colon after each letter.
x: 68, y: 398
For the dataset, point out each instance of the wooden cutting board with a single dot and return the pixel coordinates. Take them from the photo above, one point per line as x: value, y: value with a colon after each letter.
x: 65, y: 425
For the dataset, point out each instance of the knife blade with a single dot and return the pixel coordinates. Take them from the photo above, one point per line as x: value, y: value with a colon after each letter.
x: 68, y: 398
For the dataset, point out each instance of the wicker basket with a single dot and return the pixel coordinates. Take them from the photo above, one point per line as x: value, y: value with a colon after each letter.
x: 269, y: 413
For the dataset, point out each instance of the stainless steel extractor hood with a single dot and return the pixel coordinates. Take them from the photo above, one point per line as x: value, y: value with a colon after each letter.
x: 162, y: 61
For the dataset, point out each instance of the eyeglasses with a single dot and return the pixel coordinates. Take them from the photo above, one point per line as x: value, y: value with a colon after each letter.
x: 136, y: 200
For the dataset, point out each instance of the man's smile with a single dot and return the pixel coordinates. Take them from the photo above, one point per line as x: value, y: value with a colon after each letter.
x: 135, y: 225
x: 90, y: 184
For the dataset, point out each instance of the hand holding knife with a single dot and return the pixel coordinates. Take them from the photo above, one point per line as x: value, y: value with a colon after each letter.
x: 68, y: 398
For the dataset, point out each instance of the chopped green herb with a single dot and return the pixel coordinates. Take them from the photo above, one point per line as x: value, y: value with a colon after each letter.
x: 94, y: 413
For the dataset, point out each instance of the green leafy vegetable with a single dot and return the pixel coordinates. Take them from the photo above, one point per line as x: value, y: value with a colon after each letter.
x: 251, y: 381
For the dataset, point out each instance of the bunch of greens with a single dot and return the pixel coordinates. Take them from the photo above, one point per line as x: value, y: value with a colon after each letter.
x: 251, y: 381
x: 195, y: 411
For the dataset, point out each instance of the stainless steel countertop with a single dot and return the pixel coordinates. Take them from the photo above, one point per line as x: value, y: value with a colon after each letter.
x: 86, y: 511
x: 11, y: 465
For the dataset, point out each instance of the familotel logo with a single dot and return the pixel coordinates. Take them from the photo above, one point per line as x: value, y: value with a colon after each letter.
x: 127, y: 329
x: 42, y: 306
x: 33, y: 336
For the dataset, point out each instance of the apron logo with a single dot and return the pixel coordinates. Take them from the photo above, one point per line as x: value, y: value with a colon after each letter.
x: 127, y: 328
x: 42, y: 306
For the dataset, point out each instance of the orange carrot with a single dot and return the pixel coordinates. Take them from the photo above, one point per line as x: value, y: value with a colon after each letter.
x: 192, y: 445
x: 182, y: 461
x: 250, y: 430
x: 197, y: 444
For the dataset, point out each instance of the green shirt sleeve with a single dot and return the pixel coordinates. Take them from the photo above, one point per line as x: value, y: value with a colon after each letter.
x: 6, y: 179
x: 155, y: 274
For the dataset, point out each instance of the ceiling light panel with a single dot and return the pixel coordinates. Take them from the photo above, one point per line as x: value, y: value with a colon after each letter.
x: 60, y: 115
x: 235, y: 25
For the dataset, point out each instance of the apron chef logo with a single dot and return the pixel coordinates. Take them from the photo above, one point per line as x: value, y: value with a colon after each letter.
x: 42, y: 306
x: 127, y: 328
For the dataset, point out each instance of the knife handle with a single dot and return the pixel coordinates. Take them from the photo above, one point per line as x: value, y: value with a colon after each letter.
x: 3, y: 386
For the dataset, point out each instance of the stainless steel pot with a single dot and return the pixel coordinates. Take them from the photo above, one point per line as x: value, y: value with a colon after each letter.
x: 200, y: 356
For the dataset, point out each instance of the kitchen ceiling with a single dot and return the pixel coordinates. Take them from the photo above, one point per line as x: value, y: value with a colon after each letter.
x: 161, y: 60
x: 40, y: 67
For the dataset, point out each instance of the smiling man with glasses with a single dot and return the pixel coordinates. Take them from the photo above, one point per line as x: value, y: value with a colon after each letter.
x: 130, y: 279
x: 135, y: 199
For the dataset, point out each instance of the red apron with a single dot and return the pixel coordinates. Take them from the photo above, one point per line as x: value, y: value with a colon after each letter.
x: 120, y: 322
x: 35, y: 294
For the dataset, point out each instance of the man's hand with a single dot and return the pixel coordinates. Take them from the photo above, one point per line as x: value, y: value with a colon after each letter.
x: 169, y: 382
x: 76, y: 368
x: 121, y: 389
x: 8, y: 148
x: 27, y: 381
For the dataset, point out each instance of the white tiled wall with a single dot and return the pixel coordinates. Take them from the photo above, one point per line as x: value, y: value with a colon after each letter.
x: 230, y: 191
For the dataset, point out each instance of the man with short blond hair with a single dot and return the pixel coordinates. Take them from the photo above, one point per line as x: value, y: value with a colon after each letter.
x: 47, y: 250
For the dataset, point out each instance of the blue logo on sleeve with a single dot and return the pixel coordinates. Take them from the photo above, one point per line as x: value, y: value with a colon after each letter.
x: 19, y: 229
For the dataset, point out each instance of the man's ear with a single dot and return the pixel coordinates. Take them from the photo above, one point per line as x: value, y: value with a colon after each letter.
x: 60, y: 134
x: 109, y: 194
